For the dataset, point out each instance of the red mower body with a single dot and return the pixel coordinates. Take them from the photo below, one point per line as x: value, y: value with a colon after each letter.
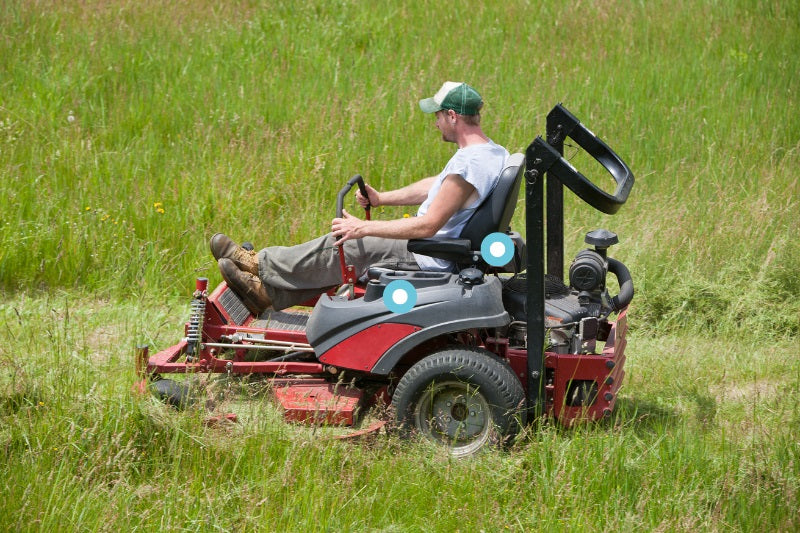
x: 577, y: 387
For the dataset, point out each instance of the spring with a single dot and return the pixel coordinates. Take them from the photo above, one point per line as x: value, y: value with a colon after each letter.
x: 195, y: 329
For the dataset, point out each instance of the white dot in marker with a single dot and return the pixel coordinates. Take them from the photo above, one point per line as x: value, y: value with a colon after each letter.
x: 399, y: 297
x: 497, y: 249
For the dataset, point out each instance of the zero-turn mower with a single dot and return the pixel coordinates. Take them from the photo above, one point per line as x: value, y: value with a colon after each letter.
x: 464, y: 359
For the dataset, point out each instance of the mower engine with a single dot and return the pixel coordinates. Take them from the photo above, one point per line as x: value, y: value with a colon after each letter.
x: 576, y: 316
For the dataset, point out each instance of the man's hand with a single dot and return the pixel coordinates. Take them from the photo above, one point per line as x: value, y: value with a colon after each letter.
x: 348, y: 227
x: 373, y: 196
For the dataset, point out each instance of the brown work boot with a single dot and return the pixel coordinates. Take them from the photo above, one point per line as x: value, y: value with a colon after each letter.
x: 246, y: 286
x: 222, y: 246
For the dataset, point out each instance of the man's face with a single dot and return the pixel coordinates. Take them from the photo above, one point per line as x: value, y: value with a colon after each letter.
x: 445, y: 121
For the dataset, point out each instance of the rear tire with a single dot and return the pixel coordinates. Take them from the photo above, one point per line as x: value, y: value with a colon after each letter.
x: 462, y: 398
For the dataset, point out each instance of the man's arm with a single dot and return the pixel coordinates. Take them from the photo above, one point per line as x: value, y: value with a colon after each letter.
x: 413, y: 194
x: 454, y: 194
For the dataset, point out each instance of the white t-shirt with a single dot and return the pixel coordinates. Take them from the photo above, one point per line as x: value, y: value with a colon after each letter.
x: 480, y: 165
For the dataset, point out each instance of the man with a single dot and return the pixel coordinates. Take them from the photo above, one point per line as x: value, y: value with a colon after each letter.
x: 280, y: 277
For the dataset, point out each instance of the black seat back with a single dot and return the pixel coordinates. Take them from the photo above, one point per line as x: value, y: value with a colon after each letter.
x: 495, y: 213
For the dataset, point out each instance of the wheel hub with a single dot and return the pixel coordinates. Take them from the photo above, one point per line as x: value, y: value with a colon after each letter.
x: 454, y: 413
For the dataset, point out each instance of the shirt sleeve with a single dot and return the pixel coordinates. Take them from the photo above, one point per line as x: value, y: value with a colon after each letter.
x: 472, y: 166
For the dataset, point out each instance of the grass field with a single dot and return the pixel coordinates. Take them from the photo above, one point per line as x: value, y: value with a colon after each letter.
x: 131, y: 132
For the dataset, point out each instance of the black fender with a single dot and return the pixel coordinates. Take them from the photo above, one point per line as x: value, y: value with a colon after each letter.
x: 445, y: 307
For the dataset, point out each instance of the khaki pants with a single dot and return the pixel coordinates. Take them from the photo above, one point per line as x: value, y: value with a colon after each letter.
x: 295, y: 274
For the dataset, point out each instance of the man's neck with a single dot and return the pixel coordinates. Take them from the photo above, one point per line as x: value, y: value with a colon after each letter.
x: 471, y: 135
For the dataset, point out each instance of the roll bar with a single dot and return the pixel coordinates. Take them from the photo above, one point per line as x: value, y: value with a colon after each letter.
x: 545, y: 157
x: 542, y: 157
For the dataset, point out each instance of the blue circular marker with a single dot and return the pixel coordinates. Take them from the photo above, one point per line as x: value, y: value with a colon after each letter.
x: 400, y: 296
x: 497, y: 249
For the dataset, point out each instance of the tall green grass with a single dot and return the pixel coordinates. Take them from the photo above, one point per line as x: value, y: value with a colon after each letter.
x: 704, y: 438
x: 131, y: 132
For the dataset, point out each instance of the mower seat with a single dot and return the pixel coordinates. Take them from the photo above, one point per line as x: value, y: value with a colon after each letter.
x: 493, y: 215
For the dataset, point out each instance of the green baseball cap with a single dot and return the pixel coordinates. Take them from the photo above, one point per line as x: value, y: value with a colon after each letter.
x: 457, y: 96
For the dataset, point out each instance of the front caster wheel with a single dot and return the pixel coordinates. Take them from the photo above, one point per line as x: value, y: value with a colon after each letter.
x: 172, y: 393
x: 462, y: 398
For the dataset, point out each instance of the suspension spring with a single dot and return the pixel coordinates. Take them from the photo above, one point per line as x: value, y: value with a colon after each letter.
x: 194, y: 334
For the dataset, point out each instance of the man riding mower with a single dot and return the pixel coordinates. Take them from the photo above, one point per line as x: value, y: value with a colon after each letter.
x: 454, y: 323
